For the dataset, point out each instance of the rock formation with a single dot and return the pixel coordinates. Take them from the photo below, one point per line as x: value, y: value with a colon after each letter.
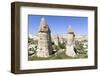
x: 70, y: 42
x: 44, y: 40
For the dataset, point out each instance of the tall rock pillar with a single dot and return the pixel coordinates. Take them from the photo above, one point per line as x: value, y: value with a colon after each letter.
x: 70, y: 43
x: 44, y: 40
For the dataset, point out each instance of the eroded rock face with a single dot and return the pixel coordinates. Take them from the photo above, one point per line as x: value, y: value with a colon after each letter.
x: 70, y: 51
x: 70, y: 43
x: 44, y: 40
x: 43, y: 52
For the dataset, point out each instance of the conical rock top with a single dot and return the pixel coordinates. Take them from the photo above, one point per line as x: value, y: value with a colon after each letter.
x: 70, y: 30
x: 43, y: 26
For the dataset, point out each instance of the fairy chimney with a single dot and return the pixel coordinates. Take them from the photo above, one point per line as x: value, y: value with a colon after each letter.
x: 44, y: 39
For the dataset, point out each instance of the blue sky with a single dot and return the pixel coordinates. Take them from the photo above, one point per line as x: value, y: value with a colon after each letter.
x: 59, y: 24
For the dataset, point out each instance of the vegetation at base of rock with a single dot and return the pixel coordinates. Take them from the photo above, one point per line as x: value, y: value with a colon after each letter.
x: 61, y: 55
x: 61, y: 45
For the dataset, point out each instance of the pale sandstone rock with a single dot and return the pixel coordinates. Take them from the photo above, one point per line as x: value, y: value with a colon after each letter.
x: 70, y: 43
x: 44, y: 40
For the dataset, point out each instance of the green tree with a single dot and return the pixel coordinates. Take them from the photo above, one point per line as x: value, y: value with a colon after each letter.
x: 61, y: 45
